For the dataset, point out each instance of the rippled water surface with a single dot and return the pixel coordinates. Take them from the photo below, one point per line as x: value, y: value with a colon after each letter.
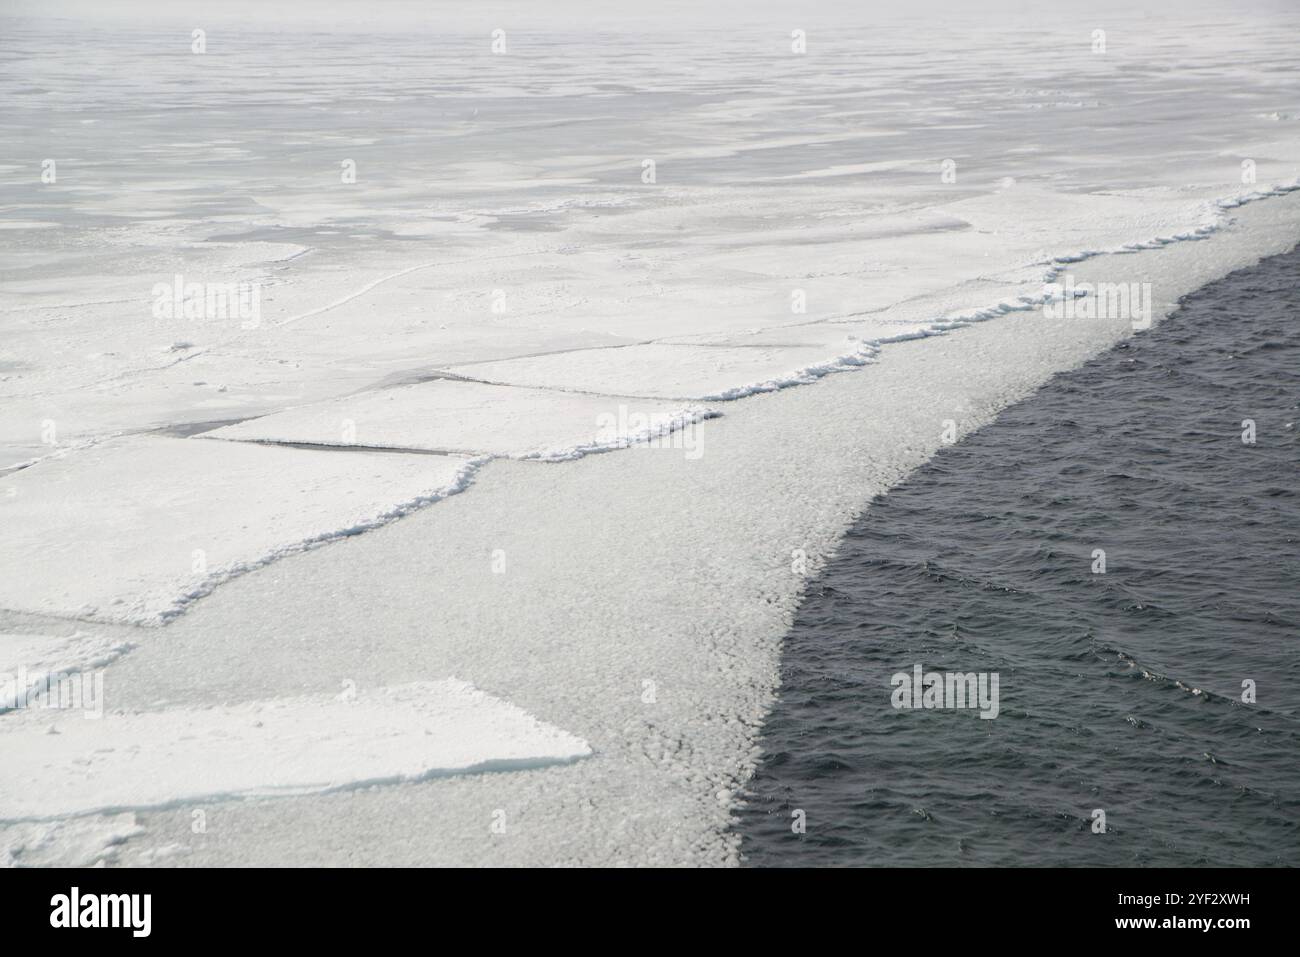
x: 1120, y: 691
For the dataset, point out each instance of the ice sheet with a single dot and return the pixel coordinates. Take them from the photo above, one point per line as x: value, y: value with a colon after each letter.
x: 726, y: 367
x: 682, y: 372
x: 533, y: 231
x: 473, y: 418
x: 58, y: 765
x: 135, y: 528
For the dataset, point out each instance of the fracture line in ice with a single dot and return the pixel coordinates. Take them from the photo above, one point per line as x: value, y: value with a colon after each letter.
x: 388, y: 278
x: 59, y: 452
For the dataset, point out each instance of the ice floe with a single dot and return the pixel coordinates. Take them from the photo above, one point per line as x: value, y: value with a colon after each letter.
x: 473, y: 418
x: 59, y: 766
x: 135, y: 528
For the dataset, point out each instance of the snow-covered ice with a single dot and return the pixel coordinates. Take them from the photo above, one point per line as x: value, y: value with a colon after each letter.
x: 57, y: 765
x: 133, y: 529
x: 506, y: 217
x: 472, y: 418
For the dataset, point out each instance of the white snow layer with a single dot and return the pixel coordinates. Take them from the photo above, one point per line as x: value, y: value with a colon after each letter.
x: 59, y: 765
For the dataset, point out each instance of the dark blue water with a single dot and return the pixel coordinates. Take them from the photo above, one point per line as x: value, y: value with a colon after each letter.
x: 1119, y: 691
